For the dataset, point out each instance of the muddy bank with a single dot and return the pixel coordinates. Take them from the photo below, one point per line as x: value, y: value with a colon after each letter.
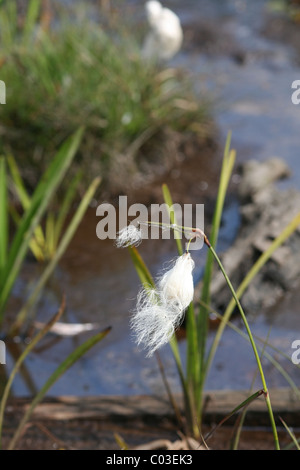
x: 146, y: 422
x: 265, y: 212
x: 177, y: 158
x: 283, y: 29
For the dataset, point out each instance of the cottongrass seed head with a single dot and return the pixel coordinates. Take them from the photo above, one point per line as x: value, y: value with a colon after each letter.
x: 160, y: 311
x: 176, y: 285
x: 129, y: 236
x: 152, y: 322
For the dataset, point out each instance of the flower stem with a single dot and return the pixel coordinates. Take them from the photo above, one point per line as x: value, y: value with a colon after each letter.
x: 265, y: 389
x: 196, y: 232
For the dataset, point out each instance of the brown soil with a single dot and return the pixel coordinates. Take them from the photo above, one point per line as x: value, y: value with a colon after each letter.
x: 145, y: 423
x: 96, y: 435
x: 283, y: 29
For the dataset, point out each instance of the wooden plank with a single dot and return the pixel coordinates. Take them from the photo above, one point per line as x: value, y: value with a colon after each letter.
x: 153, y: 409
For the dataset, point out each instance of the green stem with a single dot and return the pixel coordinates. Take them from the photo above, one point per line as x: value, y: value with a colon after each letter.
x: 265, y: 388
x: 188, y: 402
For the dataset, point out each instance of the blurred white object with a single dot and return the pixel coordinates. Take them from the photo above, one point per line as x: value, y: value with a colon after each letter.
x: 68, y: 329
x: 165, y: 37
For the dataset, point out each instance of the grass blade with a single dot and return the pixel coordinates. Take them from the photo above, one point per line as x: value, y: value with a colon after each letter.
x: 31, y: 18
x: 171, y: 397
x: 254, y: 347
x: 191, y: 383
x: 169, y: 203
x: 18, y: 182
x: 66, y: 206
x: 58, y: 254
x: 292, y: 435
x: 190, y: 313
x: 37, y: 242
x: 49, y: 236
x: 141, y: 268
x: 32, y: 216
x: 202, y: 321
x: 120, y: 441
x: 241, y: 419
x: 242, y: 405
x: 62, y: 368
x: 270, y: 358
x: 226, y: 171
x: 22, y: 358
x: 9, y: 20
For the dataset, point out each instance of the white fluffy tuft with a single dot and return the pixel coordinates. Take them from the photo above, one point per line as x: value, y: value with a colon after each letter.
x: 176, y: 285
x: 153, y: 10
x: 152, y: 322
x: 129, y: 236
x: 160, y: 311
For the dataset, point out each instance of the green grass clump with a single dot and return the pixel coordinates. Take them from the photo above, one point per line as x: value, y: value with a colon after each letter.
x: 74, y: 72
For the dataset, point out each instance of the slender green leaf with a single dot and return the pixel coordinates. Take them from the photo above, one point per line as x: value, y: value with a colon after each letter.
x: 31, y: 18
x: 49, y: 236
x: 37, y: 242
x: 39, y: 202
x: 202, y: 319
x: 62, y: 368
x: 43, y: 246
x: 66, y: 206
x: 191, y: 383
x: 18, y: 182
x: 292, y: 435
x: 120, y: 441
x: 270, y: 358
x: 242, y: 405
x: 241, y: 419
x: 191, y: 364
x: 254, y: 347
x: 63, y: 245
x: 9, y: 23
x: 141, y: 268
x: 22, y: 358
x: 169, y: 203
x: 227, y: 167
x: 192, y: 347
x: 171, y: 397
